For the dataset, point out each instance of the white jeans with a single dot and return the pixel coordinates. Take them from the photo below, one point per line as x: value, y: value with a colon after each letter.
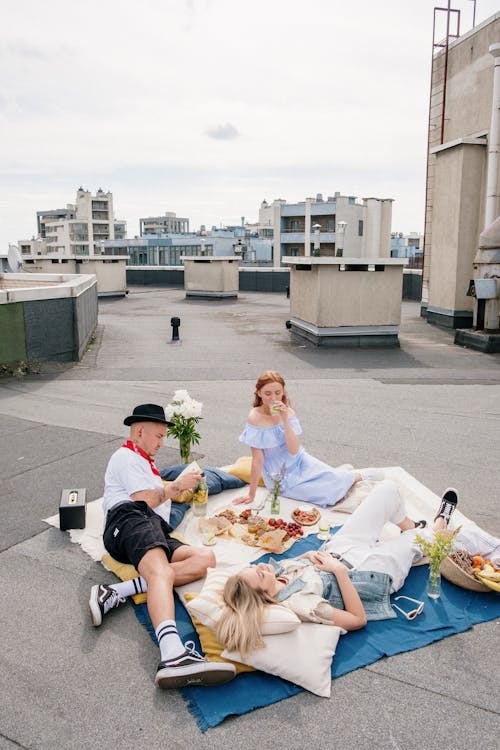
x: 358, y: 539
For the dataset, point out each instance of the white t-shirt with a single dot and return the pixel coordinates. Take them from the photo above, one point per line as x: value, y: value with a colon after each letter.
x: 128, y: 472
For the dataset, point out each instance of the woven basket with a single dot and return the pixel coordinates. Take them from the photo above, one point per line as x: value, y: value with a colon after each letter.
x: 455, y: 574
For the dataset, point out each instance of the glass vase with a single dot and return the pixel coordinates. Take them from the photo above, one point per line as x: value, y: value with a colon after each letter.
x: 275, y: 503
x: 185, y: 450
x: 434, y: 583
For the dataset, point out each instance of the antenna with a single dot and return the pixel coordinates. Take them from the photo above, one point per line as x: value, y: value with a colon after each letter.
x: 14, y: 260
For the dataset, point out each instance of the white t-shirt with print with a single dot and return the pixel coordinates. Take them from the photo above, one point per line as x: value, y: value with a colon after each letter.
x: 128, y: 472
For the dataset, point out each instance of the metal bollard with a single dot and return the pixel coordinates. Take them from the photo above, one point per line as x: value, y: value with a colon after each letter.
x: 175, y: 323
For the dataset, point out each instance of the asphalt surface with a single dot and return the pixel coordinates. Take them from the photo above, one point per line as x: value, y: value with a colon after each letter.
x: 430, y: 407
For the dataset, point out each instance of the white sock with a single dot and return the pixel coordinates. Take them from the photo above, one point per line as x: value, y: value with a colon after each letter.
x: 169, y: 642
x: 375, y: 475
x: 129, y: 588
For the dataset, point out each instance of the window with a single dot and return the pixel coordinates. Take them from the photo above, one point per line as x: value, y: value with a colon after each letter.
x: 79, y: 232
x: 360, y: 228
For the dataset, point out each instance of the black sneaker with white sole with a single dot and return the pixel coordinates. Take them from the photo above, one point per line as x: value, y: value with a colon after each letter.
x: 102, y: 599
x: 190, y: 668
x: 449, y: 501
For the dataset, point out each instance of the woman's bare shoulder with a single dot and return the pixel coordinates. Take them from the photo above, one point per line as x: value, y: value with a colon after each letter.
x: 258, y: 419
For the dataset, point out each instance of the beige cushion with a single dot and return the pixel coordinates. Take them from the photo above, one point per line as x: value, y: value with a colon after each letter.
x: 303, y: 656
x: 207, y: 606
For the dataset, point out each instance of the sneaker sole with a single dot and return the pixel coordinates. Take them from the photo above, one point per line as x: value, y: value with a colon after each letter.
x: 95, y: 611
x: 204, y: 678
x: 447, y: 505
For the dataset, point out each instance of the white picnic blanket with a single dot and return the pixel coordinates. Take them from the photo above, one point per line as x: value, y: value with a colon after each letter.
x: 419, y: 500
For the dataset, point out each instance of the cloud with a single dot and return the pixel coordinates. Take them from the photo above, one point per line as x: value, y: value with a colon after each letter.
x: 225, y: 132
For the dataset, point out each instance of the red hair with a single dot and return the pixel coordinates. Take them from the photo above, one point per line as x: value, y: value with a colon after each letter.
x: 269, y: 376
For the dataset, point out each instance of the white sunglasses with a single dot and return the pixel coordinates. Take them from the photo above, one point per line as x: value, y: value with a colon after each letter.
x: 413, y: 612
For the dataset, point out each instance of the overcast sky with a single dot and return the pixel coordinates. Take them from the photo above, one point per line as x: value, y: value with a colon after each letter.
x: 207, y: 107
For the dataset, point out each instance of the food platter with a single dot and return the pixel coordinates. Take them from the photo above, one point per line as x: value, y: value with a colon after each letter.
x: 306, y: 516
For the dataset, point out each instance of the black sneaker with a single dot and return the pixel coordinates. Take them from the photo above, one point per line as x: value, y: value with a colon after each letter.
x: 190, y: 668
x: 102, y: 599
x: 449, y: 500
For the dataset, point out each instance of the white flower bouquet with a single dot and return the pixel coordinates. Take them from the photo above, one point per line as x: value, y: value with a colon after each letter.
x: 184, y: 414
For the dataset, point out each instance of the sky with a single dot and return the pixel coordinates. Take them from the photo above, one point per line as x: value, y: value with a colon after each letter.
x: 208, y: 107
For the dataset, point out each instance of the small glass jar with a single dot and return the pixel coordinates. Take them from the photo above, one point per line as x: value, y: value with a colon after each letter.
x: 253, y: 524
x: 323, y: 529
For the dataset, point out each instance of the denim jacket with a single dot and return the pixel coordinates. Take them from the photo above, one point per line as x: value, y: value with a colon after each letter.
x: 308, y: 589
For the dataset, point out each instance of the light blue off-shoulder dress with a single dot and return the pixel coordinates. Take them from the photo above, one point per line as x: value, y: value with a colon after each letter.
x: 306, y: 479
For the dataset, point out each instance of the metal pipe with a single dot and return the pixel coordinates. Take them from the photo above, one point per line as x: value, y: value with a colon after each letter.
x: 492, y: 186
x: 445, y: 72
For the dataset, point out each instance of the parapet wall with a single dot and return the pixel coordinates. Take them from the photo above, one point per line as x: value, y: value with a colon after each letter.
x: 47, y: 318
x: 252, y: 279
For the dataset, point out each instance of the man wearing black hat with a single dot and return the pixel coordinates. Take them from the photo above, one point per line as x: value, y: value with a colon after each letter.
x: 137, y: 509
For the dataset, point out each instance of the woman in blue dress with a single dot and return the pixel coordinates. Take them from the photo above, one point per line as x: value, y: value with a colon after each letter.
x: 272, y: 432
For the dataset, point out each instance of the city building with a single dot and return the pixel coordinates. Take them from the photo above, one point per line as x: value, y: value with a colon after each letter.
x: 409, y: 246
x: 159, y: 226
x: 338, y: 226
x: 168, y: 250
x: 73, y: 237
x: 463, y: 167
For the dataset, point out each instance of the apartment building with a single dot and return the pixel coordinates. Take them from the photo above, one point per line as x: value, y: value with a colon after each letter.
x: 74, y: 237
x: 159, y: 226
x: 78, y: 229
x: 340, y: 225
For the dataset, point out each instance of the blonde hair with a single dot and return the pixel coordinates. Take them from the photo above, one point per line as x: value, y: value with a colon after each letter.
x: 238, y: 628
x: 269, y: 376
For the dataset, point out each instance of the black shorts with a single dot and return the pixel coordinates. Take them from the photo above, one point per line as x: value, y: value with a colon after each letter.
x: 132, y: 529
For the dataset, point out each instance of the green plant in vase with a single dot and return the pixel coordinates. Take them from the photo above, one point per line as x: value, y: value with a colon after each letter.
x: 183, y: 414
x: 274, y: 494
x: 436, y: 549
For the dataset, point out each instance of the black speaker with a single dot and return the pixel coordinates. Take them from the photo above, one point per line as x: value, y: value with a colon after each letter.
x: 72, y: 509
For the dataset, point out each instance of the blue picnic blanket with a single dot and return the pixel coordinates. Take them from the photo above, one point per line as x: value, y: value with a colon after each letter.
x: 455, y: 611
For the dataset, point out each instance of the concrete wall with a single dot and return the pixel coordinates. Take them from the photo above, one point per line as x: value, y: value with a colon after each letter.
x: 456, y: 219
x: 12, y: 340
x: 328, y: 297
x: 110, y: 273
x: 211, y: 275
x: 46, y: 323
x: 252, y: 279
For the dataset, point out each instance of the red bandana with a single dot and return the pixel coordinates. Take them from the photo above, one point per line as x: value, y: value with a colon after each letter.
x: 133, y: 447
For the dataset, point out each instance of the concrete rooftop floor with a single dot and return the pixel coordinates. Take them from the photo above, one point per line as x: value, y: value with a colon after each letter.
x: 430, y: 406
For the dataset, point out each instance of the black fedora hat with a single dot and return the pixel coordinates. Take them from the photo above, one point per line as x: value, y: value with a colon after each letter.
x: 147, y: 413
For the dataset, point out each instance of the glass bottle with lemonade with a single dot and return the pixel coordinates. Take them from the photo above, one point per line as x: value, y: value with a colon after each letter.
x: 200, y: 497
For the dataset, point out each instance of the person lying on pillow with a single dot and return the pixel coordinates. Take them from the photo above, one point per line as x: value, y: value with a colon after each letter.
x: 346, y: 584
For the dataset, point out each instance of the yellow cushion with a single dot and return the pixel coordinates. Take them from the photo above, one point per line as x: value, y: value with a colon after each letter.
x: 184, y: 497
x: 126, y: 572
x: 242, y: 468
x: 210, y: 645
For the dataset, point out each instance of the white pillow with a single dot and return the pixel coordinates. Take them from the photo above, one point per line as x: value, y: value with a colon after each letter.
x: 303, y: 656
x: 207, y: 606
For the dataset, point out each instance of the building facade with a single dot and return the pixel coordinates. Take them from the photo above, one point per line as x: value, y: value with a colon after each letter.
x: 71, y: 240
x: 158, y: 226
x: 339, y: 225
x: 78, y: 229
x: 463, y: 106
x: 409, y: 246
